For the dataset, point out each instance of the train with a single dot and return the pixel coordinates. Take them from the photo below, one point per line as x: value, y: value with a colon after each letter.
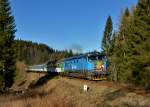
x: 92, y: 65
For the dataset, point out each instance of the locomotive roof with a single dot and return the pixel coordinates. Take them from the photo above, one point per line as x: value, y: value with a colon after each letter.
x: 85, y: 55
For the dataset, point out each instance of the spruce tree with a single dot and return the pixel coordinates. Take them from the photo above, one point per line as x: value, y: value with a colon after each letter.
x: 139, y: 44
x: 119, y: 50
x: 113, y: 57
x: 7, y: 52
x: 124, y: 73
x: 107, y: 36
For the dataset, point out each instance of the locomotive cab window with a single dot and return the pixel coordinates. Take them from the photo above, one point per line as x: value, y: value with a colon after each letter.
x: 93, y: 58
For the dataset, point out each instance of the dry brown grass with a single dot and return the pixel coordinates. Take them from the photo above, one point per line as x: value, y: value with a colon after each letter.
x: 22, y: 78
x: 46, y: 101
x: 20, y: 71
x: 64, y: 92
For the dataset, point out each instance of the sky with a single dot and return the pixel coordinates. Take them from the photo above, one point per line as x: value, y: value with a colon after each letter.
x: 66, y: 24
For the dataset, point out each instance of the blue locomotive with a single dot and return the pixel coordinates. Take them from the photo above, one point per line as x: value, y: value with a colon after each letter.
x: 92, y: 65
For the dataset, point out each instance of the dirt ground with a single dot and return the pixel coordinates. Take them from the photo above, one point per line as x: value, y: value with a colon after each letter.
x: 68, y: 92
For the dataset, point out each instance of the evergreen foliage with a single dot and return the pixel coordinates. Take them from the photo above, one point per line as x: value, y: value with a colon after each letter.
x: 130, y: 47
x: 7, y: 53
x: 139, y: 44
x: 107, y: 36
x: 121, y: 49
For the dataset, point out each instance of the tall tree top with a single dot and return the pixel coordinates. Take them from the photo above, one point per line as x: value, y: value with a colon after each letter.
x: 107, y: 35
x: 7, y: 23
x: 108, y: 27
x: 127, y: 12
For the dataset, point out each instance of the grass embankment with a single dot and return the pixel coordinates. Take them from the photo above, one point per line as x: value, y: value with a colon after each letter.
x: 23, y: 79
x: 65, y: 92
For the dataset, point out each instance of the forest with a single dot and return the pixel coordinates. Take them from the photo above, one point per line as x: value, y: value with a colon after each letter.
x: 36, y: 53
x: 128, y: 47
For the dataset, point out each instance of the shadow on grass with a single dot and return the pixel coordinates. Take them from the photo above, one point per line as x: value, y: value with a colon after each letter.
x: 43, y: 80
x: 114, y: 95
x: 22, y: 83
x: 32, y: 90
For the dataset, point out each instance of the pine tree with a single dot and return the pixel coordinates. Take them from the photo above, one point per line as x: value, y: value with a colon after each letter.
x: 107, y: 36
x: 139, y: 44
x: 113, y: 57
x: 7, y: 52
x: 119, y: 48
x: 123, y: 67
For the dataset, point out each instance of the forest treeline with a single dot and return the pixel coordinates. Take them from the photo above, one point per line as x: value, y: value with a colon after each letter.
x: 36, y: 53
x: 128, y: 48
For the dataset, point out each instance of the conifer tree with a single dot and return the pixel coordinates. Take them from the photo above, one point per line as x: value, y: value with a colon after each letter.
x: 124, y: 73
x: 107, y: 36
x: 139, y: 44
x: 7, y: 52
x: 113, y: 57
x: 119, y: 50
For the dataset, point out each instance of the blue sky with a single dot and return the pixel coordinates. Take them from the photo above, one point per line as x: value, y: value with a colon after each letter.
x: 65, y: 24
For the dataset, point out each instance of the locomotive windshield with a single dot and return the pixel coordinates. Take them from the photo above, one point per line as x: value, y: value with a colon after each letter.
x: 95, y: 57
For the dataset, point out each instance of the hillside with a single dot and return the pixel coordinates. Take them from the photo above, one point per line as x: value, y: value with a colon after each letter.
x: 37, y: 53
x: 49, y: 91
